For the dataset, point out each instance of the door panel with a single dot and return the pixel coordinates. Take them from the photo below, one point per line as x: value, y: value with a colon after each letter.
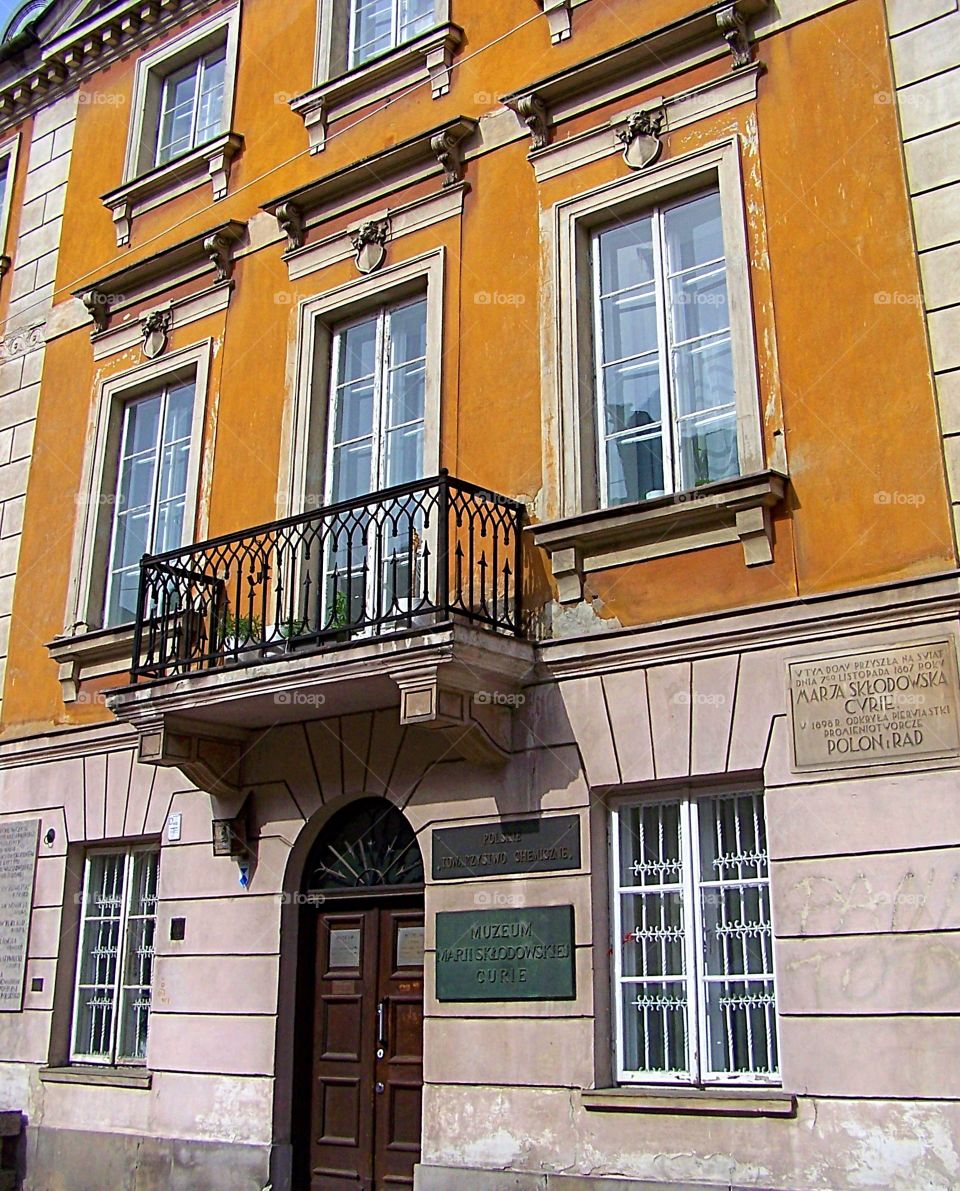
x: 367, y: 1049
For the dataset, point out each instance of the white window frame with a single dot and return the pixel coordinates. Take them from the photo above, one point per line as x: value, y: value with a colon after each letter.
x: 128, y: 853
x: 395, y: 39
x: 9, y: 152
x: 303, y: 484
x: 151, y: 72
x: 571, y: 438
x: 335, y: 38
x: 695, y: 977
x: 670, y: 419
x: 94, y: 531
x: 199, y: 67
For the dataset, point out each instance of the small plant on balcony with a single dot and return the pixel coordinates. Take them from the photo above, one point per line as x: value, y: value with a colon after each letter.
x: 240, y: 630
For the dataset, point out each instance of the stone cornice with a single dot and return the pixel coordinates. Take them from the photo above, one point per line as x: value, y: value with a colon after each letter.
x: 439, y: 150
x: 57, y: 66
x: 171, y: 266
x: 542, y: 102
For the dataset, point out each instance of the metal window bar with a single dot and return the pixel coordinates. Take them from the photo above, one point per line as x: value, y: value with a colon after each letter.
x: 101, y: 989
x: 729, y: 1000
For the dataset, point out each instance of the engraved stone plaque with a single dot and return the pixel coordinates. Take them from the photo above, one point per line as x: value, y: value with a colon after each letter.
x: 544, y: 844
x: 18, y: 862
x: 874, y: 707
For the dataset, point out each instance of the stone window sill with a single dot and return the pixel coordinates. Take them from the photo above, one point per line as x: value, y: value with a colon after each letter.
x: 210, y: 162
x: 718, y: 1101
x: 91, y: 655
x: 730, y: 510
x: 113, y: 1077
x: 427, y: 57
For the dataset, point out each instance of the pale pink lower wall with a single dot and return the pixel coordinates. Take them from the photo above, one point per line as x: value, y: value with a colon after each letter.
x: 866, y: 903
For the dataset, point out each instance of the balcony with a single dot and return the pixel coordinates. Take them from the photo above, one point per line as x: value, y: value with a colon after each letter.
x: 410, y: 596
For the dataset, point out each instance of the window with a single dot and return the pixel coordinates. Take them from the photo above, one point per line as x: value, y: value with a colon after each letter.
x: 115, y: 960
x: 664, y: 364
x: 183, y: 97
x: 191, y: 106
x: 379, y: 25
x: 376, y: 441
x: 694, y: 991
x: 151, y: 490
x: 8, y: 168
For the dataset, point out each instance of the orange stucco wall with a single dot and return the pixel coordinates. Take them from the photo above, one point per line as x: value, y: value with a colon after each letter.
x: 844, y: 378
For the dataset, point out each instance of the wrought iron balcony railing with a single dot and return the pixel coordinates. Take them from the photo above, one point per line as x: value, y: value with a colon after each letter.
x: 409, y: 557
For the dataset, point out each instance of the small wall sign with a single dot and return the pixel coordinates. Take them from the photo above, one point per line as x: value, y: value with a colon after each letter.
x: 545, y: 844
x: 18, y: 862
x: 873, y: 707
x: 506, y: 955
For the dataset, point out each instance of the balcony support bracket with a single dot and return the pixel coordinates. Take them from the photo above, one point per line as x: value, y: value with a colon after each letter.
x: 210, y: 756
x: 475, y: 724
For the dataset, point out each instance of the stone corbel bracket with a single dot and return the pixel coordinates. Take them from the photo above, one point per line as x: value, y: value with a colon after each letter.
x: 447, y: 147
x: 473, y: 713
x: 290, y: 221
x: 219, y: 248
x: 210, y: 756
x: 533, y: 112
x: 559, y: 18
x: 736, y: 33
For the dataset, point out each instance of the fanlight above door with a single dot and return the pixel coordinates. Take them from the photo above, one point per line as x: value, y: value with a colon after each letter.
x: 367, y: 845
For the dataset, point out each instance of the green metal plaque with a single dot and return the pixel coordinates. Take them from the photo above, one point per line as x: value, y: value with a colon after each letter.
x: 506, y: 955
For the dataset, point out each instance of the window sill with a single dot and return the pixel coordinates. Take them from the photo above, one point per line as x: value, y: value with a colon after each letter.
x: 730, y: 510
x: 91, y: 655
x: 112, y: 1077
x: 427, y: 57
x: 719, y: 1101
x: 212, y: 161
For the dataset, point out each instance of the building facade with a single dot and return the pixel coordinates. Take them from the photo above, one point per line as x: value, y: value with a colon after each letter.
x: 480, y: 594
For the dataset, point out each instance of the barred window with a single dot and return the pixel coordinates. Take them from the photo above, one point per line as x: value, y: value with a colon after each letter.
x: 115, y: 962
x: 695, y: 999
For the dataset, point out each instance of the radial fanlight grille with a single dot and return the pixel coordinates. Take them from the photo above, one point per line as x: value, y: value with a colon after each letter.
x: 369, y: 845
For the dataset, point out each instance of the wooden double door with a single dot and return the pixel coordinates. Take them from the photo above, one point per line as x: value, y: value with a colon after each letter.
x: 366, y: 1037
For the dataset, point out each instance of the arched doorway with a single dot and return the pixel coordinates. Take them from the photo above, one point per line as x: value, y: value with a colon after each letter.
x: 359, y: 1071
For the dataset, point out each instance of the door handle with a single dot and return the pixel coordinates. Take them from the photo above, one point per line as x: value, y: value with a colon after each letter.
x: 382, y: 1027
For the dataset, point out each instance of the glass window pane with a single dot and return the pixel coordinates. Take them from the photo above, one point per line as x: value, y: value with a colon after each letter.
x: 741, y: 1031
x: 142, y: 425
x: 415, y: 16
x: 703, y: 375
x: 352, y: 470
x: 408, y: 334
x: 653, y: 935
x: 372, y: 28
x: 632, y: 395
x: 629, y: 323
x: 634, y: 469
x: 694, y: 232
x: 708, y: 450
x: 136, y: 483
x: 626, y: 256
x: 405, y: 400
x: 404, y: 455
x: 354, y: 413
x: 124, y: 595
x: 169, y: 533
x: 358, y: 351
x: 698, y: 303
x: 176, y: 114
x: 210, y: 116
